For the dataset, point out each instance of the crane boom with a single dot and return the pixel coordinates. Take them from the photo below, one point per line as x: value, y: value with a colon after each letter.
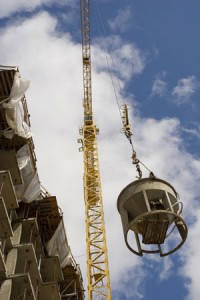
x: 97, y: 257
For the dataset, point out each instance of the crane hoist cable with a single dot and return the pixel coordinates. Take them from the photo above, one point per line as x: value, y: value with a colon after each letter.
x: 123, y: 109
x: 108, y: 54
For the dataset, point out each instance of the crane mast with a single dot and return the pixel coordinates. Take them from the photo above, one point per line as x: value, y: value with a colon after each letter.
x: 97, y: 257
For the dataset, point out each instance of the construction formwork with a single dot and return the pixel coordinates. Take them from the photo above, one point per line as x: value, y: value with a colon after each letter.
x: 35, y: 258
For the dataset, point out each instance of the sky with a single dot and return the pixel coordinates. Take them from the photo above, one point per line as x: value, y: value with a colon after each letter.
x: 150, y: 50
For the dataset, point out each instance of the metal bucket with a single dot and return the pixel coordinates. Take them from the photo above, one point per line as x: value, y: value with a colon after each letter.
x: 151, y: 209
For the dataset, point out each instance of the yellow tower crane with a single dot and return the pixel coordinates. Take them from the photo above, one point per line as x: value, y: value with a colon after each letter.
x: 97, y: 257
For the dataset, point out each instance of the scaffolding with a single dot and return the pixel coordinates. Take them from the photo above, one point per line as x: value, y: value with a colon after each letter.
x: 35, y: 258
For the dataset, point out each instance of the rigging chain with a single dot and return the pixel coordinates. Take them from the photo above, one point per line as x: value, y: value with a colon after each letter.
x: 128, y: 133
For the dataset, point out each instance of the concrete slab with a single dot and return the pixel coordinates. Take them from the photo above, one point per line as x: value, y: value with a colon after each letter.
x: 5, y: 289
x: 5, y: 226
x: 50, y: 269
x: 7, y: 190
x: 8, y: 161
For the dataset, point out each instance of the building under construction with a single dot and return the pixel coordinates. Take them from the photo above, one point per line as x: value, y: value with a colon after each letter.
x: 35, y: 258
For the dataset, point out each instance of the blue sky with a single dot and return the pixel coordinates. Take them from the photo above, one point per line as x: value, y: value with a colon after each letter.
x: 155, y: 45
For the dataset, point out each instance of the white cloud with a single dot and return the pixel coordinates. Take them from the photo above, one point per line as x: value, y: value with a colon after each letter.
x: 122, y: 21
x: 191, y: 257
x: 167, y: 268
x: 9, y: 7
x: 195, y: 131
x: 184, y: 89
x: 52, y: 62
x: 159, y: 87
x: 120, y: 57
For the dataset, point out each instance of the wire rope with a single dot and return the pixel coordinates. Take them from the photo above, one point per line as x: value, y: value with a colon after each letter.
x: 111, y: 66
x: 102, y: 32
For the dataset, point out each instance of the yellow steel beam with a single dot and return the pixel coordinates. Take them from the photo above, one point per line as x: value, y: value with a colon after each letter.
x: 97, y: 257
